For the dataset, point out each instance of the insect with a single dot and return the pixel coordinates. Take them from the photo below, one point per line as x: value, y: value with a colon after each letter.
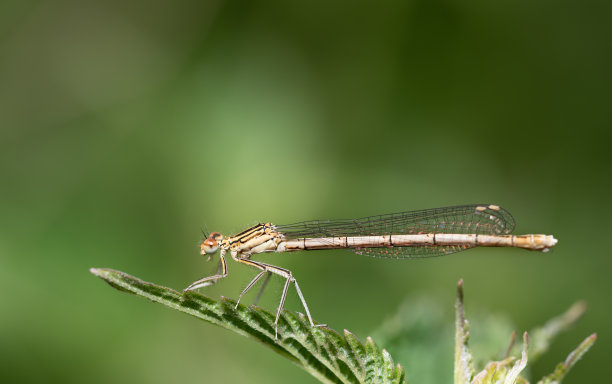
x: 403, y: 235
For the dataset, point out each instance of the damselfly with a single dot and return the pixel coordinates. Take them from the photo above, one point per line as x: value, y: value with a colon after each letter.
x: 404, y: 235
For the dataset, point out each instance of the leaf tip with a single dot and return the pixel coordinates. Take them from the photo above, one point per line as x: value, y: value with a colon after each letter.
x: 102, y: 273
x: 576, y: 311
x: 580, y: 306
x: 371, y: 343
x: 587, y: 343
x: 511, y: 345
x: 460, y: 290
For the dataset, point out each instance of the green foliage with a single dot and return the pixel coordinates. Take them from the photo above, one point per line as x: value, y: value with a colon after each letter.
x: 508, y: 370
x: 334, y: 358
x: 420, y: 336
x: 563, y: 367
x: 464, y: 369
x: 322, y: 352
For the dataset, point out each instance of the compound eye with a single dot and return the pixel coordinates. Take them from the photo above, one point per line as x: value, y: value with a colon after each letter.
x: 216, y: 236
x: 209, y: 246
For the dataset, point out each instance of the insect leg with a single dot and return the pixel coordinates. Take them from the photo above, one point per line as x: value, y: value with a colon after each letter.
x: 210, y: 280
x: 285, y: 273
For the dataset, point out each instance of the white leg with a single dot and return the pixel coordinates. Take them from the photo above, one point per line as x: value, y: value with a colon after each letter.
x: 259, y: 275
x: 289, y: 279
x: 210, y: 280
x: 263, y: 286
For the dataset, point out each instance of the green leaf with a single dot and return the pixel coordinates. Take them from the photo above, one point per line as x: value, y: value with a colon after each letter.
x: 542, y: 337
x: 464, y: 370
x: 498, y: 371
x: 563, y: 368
x: 513, y: 375
x: 494, y: 372
x: 322, y: 352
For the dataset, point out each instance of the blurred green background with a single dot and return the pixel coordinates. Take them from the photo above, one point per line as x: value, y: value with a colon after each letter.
x: 126, y: 127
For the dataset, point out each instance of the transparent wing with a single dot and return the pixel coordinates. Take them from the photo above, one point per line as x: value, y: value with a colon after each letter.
x: 411, y: 252
x: 476, y: 218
